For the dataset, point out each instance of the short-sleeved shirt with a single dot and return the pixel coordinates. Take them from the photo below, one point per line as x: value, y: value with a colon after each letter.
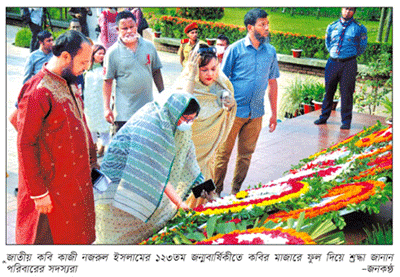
x: 249, y: 71
x: 133, y: 72
x: 354, y: 41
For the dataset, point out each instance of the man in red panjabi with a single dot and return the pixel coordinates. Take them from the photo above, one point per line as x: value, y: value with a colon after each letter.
x: 55, y: 151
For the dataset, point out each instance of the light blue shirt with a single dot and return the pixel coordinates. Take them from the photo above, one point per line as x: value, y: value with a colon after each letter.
x: 249, y: 71
x: 36, y: 15
x: 354, y: 42
x: 34, y: 63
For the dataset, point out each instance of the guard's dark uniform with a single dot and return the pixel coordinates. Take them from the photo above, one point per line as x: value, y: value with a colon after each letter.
x: 344, y: 41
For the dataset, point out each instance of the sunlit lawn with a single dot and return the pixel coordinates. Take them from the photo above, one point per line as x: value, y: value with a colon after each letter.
x: 284, y: 22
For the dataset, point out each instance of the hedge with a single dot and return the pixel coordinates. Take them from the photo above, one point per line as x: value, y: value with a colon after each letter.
x: 313, y: 46
x: 204, y: 13
x: 24, y: 36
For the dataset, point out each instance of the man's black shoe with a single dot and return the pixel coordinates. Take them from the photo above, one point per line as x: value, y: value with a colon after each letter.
x: 320, y: 121
x: 345, y: 127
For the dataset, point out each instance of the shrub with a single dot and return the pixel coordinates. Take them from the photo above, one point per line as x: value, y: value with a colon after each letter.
x: 23, y: 38
x: 313, y: 46
x: 377, y: 84
x: 174, y: 27
x: 204, y: 13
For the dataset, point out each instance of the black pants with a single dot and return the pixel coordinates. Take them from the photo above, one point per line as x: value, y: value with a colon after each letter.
x: 35, y: 30
x: 343, y: 73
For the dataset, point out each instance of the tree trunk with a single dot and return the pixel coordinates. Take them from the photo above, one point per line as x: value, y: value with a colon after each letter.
x: 388, y: 24
x: 381, y: 25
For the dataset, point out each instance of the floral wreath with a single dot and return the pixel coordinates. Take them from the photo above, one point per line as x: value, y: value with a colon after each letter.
x: 297, y: 189
x: 260, y: 235
x: 379, y: 136
x: 338, y: 198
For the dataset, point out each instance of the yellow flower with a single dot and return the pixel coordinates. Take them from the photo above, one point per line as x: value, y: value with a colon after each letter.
x: 242, y: 194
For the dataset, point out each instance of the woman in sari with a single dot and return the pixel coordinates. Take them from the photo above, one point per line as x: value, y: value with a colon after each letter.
x: 203, y: 78
x: 152, y: 165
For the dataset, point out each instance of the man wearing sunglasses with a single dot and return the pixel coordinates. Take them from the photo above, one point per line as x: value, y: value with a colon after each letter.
x: 251, y: 65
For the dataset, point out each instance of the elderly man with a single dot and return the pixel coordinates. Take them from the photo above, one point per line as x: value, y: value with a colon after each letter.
x: 251, y: 65
x: 55, y: 151
x: 133, y: 63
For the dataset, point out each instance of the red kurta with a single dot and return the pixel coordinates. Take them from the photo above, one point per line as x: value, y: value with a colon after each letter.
x: 53, y: 154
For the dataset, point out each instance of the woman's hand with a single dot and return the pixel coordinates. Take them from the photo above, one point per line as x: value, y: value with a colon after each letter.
x: 228, y: 101
x: 183, y: 206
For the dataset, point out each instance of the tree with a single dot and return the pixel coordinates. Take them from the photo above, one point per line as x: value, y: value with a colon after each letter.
x: 388, y: 23
x: 381, y: 25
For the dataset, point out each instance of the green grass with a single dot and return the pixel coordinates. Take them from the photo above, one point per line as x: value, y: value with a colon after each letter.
x: 297, y: 24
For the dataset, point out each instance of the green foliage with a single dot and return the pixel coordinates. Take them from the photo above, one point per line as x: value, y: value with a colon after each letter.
x: 312, y: 46
x: 300, y: 90
x: 23, y: 38
x: 370, y: 13
x: 379, y: 235
x: 203, y: 13
x: 377, y: 84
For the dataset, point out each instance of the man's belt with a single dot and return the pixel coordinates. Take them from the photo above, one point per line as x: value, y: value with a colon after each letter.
x: 343, y: 60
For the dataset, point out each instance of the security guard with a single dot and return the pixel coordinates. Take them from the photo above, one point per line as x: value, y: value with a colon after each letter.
x: 345, y: 40
x: 188, y: 44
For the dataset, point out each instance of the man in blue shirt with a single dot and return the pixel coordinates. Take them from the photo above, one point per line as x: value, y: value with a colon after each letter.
x: 34, y: 64
x: 251, y: 65
x: 39, y: 57
x: 345, y: 40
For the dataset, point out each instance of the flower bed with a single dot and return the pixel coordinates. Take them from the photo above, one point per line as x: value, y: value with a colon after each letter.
x: 264, y: 196
x: 313, y: 46
x: 352, y: 175
x: 260, y: 236
x: 337, y: 198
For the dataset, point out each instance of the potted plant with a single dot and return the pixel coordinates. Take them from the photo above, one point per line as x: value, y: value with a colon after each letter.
x: 292, y: 98
x: 157, y: 28
x: 318, y: 94
x: 297, y: 49
x: 211, y: 41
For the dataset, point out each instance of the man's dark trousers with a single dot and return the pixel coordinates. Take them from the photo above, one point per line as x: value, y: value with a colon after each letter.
x: 343, y: 73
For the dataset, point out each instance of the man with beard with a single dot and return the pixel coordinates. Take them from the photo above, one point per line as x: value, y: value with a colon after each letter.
x: 251, y: 65
x: 55, y: 151
x: 134, y: 63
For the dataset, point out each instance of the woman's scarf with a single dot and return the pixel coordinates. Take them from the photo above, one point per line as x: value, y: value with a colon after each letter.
x: 142, y: 155
x: 213, y: 123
